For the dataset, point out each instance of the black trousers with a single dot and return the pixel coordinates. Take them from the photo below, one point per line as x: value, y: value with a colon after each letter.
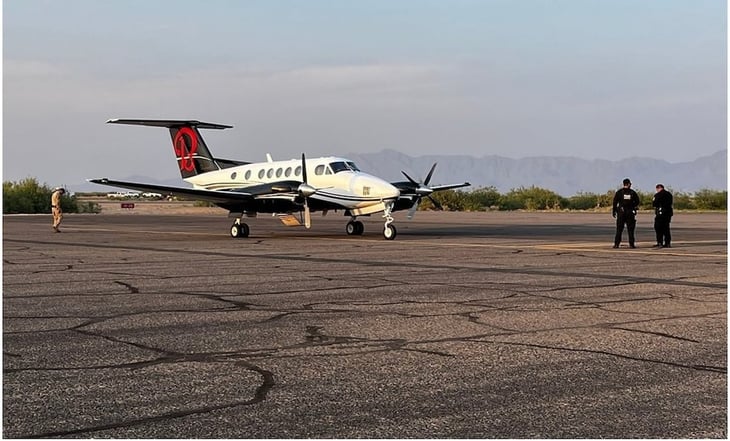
x: 661, y: 226
x: 630, y: 221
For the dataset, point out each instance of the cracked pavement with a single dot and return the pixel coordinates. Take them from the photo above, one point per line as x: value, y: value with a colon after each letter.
x: 468, y: 325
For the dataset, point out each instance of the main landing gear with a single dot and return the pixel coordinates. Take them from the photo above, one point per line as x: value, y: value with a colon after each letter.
x: 354, y: 228
x: 239, y: 229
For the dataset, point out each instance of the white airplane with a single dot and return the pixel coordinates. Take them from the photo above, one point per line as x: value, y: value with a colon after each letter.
x: 281, y: 188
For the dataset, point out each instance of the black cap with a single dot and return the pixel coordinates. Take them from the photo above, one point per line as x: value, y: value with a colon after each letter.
x: 627, y: 181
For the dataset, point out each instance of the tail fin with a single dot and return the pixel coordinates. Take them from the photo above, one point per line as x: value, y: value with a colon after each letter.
x: 193, y: 156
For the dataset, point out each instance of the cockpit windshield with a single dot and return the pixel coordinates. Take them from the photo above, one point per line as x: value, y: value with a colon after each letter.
x: 344, y: 166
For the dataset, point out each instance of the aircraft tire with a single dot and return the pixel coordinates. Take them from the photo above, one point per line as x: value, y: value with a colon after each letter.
x: 389, y: 232
x: 351, y: 228
x: 239, y: 230
x: 359, y: 228
x: 236, y: 230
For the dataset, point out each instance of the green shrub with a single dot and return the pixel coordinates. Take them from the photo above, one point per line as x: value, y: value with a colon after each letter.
x: 481, y: 199
x: 646, y: 197
x: 88, y: 207
x: 606, y: 199
x: 450, y: 200
x: 683, y: 201
x: 28, y: 196
x: 584, y: 201
x: 706, y: 199
x: 532, y: 198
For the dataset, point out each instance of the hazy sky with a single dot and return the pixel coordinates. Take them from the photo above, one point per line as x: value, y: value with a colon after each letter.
x: 607, y: 79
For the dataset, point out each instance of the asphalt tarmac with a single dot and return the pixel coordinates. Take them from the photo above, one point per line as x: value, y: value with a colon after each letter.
x: 468, y: 325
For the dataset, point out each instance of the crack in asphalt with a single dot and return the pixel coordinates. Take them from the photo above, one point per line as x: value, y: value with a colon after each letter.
x: 376, y: 263
x: 699, y: 367
x: 259, y: 395
x: 344, y: 345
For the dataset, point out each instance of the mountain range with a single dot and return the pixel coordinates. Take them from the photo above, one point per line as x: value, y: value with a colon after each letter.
x: 566, y: 176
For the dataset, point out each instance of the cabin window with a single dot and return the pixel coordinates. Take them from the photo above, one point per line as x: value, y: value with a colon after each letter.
x: 287, y: 172
x: 298, y: 170
x: 279, y: 171
x: 270, y: 173
x: 327, y: 171
x: 261, y: 173
x: 248, y: 175
x: 233, y: 176
x: 319, y: 170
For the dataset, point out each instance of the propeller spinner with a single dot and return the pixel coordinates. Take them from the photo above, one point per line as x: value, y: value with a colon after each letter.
x: 422, y: 190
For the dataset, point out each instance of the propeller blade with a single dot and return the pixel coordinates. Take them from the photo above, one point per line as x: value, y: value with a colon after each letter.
x: 430, y: 173
x: 304, y: 169
x: 413, y: 181
x: 306, y: 190
x: 412, y: 210
x: 307, y: 215
x: 435, y: 203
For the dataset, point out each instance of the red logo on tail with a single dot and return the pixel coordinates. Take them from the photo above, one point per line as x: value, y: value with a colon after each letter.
x: 186, y: 144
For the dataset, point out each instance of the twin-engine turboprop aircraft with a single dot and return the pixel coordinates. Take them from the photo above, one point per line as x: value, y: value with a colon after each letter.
x: 281, y: 187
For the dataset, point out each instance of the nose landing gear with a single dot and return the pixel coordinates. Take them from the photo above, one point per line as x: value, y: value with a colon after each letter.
x: 389, y: 231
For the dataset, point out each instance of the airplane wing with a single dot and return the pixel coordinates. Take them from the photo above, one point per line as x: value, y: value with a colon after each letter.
x: 449, y: 186
x: 411, y: 192
x: 219, y: 196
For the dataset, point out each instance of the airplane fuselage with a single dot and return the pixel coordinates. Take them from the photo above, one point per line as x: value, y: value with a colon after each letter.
x: 280, y: 187
x: 338, y: 181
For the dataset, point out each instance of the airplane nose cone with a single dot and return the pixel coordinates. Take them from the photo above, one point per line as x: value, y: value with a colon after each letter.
x: 392, y: 192
x: 374, y: 187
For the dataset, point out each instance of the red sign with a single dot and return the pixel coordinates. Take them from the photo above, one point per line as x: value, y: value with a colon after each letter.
x: 129, y: 205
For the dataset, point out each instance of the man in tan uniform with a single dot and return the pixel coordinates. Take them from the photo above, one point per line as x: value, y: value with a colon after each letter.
x: 56, y: 207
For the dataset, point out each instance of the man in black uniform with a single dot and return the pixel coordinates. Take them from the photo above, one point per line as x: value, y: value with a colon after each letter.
x: 663, y: 210
x: 625, y: 204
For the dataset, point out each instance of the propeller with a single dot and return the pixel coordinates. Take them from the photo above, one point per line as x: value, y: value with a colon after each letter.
x: 422, y: 190
x: 305, y: 191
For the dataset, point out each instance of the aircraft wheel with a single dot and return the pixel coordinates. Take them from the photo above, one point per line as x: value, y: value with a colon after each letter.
x: 351, y: 228
x: 359, y: 228
x: 236, y: 230
x: 389, y: 232
x: 239, y: 230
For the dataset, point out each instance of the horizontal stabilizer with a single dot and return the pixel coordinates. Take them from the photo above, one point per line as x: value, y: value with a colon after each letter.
x: 169, y: 123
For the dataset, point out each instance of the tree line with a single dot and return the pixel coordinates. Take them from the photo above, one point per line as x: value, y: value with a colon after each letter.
x: 28, y: 196
x: 536, y: 198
